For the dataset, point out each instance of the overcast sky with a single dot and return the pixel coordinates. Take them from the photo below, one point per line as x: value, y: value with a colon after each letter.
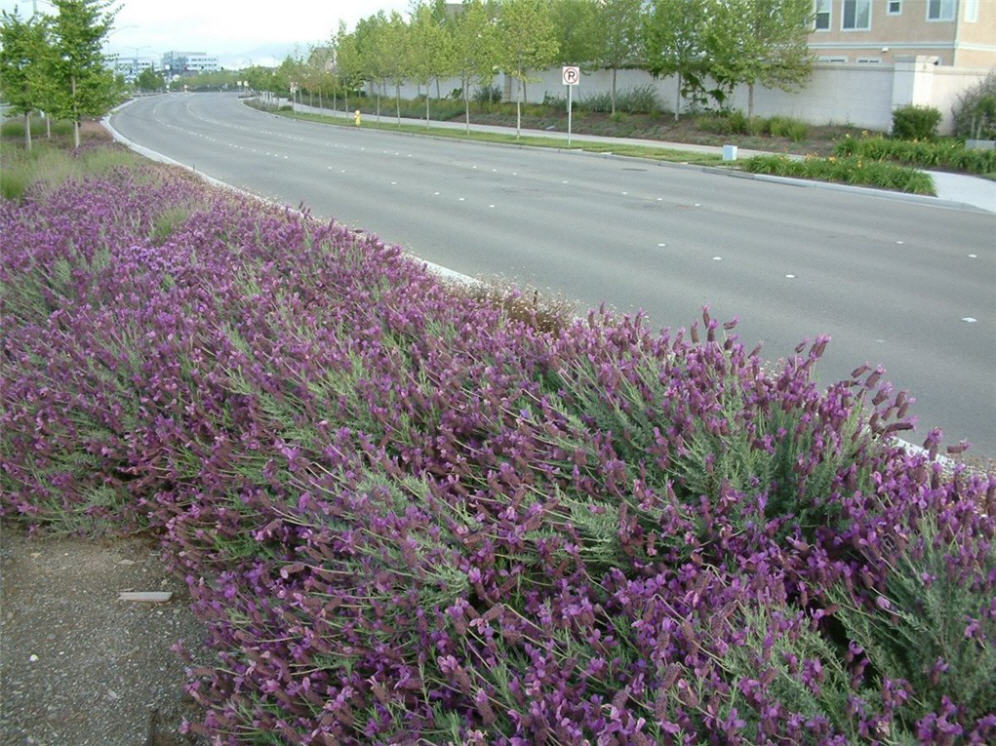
x: 240, y: 32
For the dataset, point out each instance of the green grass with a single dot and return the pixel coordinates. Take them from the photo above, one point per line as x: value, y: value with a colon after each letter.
x: 636, y: 151
x: 48, y: 165
x: 14, y: 128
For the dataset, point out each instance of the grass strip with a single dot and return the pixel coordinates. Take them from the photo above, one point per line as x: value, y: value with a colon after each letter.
x: 669, y: 155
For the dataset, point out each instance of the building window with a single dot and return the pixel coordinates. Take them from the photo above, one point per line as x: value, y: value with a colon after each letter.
x: 822, y: 14
x: 971, y: 11
x: 941, y: 10
x: 895, y: 7
x: 857, y: 15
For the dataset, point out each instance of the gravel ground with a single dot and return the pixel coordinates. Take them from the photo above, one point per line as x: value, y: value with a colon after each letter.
x: 77, y: 665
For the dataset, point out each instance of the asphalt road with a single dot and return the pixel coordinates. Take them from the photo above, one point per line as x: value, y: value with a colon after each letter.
x: 902, y: 283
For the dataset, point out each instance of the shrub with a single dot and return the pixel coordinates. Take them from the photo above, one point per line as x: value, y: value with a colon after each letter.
x: 487, y: 95
x: 845, y: 170
x: 923, y: 625
x: 597, y: 102
x: 944, y: 153
x: 975, y: 112
x: 793, y: 129
x: 638, y: 100
x: 737, y: 123
x: 409, y: 516
x: 915, y: 122
x: 725, y: 123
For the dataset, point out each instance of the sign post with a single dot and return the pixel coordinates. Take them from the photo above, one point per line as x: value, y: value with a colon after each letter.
x: 571, y: 76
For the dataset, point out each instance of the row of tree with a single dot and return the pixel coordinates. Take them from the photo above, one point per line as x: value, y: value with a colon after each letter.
x: 710, y: 45
x: 54, y: 63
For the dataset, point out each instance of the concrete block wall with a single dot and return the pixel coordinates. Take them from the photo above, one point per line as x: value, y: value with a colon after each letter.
x: 861, y: 95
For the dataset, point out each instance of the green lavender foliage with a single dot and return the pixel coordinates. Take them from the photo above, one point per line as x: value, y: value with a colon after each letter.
x: 932, y: 624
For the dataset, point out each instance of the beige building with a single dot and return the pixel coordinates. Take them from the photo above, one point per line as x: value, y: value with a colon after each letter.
x: 960, y: 33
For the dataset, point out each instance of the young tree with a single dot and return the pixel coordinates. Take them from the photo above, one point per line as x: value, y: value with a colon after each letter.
x: 396, y: 48
x: 348, y: 69
x: 373, y: 52
x: 319, y: 71
x: 149, y: 80
x: 620, y: 39
x: 761, y: 41
x: 431, y: 49
x: 288, y: 76
x: 87, y: 84
x: 674, y: 35
x: 527, y: 41
x: 475, y: 48
x: 26, y: 59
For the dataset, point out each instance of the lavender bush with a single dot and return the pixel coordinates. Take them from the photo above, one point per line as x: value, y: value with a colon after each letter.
x: 409, y: 515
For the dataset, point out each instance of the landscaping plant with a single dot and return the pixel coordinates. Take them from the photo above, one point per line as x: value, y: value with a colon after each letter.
x: 412, y: 513
x: 975, y: 111
x: 915, y: 122
x: 855, y: 170
x: 946, y: 154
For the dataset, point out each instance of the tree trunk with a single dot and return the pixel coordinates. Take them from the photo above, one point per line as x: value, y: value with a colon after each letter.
x: 76, y: 116
x: 27, y: 130
x: 397, y: 100
x: 518, y: 112
x: 750, y: 100
x: 677, y: 99
x: 48, y: 127
x: 427, y: 106
x: 612, y: 95
x: 466, y: 102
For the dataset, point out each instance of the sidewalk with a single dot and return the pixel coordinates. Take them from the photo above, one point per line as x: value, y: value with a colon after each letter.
x: 961, y: 189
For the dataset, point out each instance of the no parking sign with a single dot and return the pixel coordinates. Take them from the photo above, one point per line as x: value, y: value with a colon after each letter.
x: 572, y: 76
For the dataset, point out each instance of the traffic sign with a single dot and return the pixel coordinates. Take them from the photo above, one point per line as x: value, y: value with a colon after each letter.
x: 572, y: 75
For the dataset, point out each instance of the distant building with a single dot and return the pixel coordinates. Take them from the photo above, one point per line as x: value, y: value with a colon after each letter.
x: 129, y: 67
x: 187, y: 63
x: 960, y: 33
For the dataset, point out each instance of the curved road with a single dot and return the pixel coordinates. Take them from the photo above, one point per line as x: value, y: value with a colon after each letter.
x: 901, y: 282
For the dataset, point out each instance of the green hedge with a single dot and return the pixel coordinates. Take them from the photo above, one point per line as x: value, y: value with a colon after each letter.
x: 849, y: 170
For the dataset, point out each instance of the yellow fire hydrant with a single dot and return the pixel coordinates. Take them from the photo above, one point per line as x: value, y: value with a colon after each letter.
x: 357, y: 117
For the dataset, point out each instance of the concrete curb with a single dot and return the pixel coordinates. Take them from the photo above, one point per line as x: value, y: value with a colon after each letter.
x: 437, y: 269
x: 922, y: 199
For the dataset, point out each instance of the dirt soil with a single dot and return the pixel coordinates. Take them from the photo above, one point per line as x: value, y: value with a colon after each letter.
x: 819, y: 140
x: 77, y: 665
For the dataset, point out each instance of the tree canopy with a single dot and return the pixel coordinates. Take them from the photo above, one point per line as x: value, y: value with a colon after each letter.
x: 711, y: 46
x: 79, y: 28
x: 55, y: 63
x: 26, y: 61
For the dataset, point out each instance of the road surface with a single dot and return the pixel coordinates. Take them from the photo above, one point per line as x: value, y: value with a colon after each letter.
x: 902, y: 283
